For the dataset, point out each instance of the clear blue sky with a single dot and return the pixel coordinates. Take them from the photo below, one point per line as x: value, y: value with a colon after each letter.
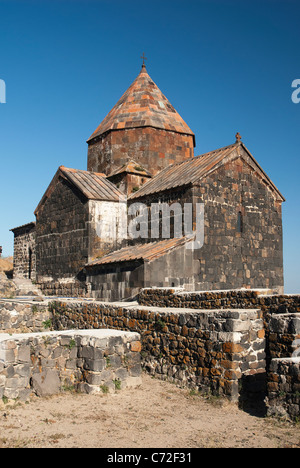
x: 226, y: 66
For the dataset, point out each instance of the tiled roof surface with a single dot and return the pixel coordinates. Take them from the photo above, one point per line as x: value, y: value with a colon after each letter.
x: 143, y: 105
x: 94, y: 186
x: 28, y: 225
x: 144, y: 252
x: 183, y: 173
x: 193, y: 169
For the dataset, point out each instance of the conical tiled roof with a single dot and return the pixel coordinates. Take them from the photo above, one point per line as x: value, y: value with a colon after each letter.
x: 143, y: 105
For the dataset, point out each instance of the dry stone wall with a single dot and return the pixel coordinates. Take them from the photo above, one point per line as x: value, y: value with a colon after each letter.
x: 23, y: 317
x: 241, y: 352
x: 207, y: 350
x: 283, y: 399
x: 89, y: 361
x: 236, y: 298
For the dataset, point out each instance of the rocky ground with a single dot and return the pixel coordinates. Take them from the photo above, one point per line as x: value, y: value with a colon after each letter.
x: 156, y: 415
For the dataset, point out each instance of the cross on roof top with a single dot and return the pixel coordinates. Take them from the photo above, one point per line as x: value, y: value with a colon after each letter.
x: 144, y: 58
x: 238, y: 137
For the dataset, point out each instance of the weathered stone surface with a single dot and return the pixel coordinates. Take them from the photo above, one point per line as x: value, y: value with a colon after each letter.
x: 88, y: 360
x: 46, y: 383
x: 283, y: 397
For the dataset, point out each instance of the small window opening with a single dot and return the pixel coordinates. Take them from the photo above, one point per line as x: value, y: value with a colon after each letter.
x: 30, y: 263
x: 240, y: 222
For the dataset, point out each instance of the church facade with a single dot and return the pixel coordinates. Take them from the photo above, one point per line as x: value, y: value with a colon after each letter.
x: 148, y: 213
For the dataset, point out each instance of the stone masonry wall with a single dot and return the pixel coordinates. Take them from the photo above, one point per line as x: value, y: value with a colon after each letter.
x: 61, y: 236
x: 243, y: 229
x: 24, y: 252
x: 152, y: 148
x: 89, y: 361
x: 238, y: 352
x: 229, y: 298
x: 283, y: 398
x: 207, y: 350
x: 20, y: 317
x: 280, y: 333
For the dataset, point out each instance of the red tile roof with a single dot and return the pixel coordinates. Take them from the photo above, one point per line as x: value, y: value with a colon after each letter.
x: 143, y: 105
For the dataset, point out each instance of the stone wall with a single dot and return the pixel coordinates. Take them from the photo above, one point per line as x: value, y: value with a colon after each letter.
x: 22, y: 317
x: 106, y: 232
x: 228, y: 298
x: 240, y: 352
x: 243, y: 229
x: 61, y: 236
x: 283, y: 334
x: 152, y: 148
x: 207, y: 350
x: 281, y: 330
x: 25, y: 251
x: 283, y: 398
x: 88, y: 361
x: 71, y: 288
x: 116, y: 281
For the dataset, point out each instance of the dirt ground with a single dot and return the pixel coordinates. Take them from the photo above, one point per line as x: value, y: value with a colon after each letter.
x: 6, y: 264
x: 156, y: 415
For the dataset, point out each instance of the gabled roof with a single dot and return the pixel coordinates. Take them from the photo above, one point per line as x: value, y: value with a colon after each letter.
x: 24, y: 226
x: 131, y: 167
x: 143, y: 252
x: 194, y: 169
x: 94, y: 186
x: 143, y: 105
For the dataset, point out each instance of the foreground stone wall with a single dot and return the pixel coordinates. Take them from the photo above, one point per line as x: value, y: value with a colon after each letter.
x: 89, y: 361
x: 280, y: 312
x: 240, y: 353
x: 207, y: 350
x: 283, y: 397
x: 283, y: 335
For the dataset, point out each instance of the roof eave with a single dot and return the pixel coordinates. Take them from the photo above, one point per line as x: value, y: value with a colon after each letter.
x: 95, y: 137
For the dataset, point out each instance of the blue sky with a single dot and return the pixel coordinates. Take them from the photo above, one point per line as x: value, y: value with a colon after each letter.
x: 226, y: 66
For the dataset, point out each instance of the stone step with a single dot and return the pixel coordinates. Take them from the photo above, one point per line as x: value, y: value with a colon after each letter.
x: 25, y: 287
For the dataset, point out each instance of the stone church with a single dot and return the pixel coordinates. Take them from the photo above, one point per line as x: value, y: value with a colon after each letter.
x: 142, y: 155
